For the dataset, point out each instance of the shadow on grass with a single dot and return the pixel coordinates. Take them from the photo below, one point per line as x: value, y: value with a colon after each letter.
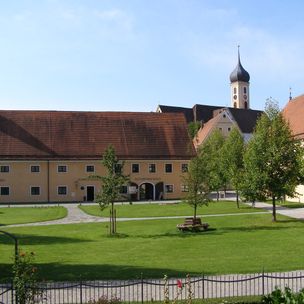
x: 63, y: 272
x: 291, y: 221
x: 29, y: 239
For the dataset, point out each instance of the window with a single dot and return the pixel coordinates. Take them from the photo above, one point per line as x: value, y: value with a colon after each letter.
x: 245, y: 105
x: 35, y: 168
x: 184, y: 168
x: 4, y: 191
x: 62, y: 190
x: 62, y: 168
x: 135, y: 168
x: 234, y: 105
x: 229, y: 129
x: 152, y: 168
x: 4, y: 169
x: 184, y: 188
x: 245, y: 90
x: 168, y: 188
x: 35, y: 190
x: 90, y: 168
x: 168, y: 168
x: 118, y: 168
x: 234, y: 91
x: 220, y: 129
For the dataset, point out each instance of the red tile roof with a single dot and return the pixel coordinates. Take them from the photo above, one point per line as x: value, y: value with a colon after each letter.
x: 294, y: 114
x: 82, y: 135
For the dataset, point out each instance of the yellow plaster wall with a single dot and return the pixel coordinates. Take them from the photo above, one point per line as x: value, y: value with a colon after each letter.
x: 20, y: 178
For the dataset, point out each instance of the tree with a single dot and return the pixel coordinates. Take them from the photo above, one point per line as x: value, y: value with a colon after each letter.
x: 211, y: 153
x: 274, y: 158
x: 193, y: 128
x: 197, y: 182
x: 233, y: 151
x: 111, y: 184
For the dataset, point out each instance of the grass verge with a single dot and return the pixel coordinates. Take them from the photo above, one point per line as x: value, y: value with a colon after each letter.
x: 22, y: 215
x: 244, y: 243
x: 169, y: 209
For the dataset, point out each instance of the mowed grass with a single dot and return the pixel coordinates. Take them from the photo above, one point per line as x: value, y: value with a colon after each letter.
x: 167, y: 209
x: 288, y: 204
x: 234, y: 244
x: 21, y: 215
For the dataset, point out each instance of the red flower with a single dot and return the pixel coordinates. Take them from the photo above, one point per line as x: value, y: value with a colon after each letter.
x: 179, y: 284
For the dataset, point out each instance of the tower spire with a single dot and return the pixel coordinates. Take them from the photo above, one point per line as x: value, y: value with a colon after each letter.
x: 290, y: 93
x: 239, y: 82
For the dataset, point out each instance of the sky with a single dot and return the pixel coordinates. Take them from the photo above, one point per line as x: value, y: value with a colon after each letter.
x: 131, y: 55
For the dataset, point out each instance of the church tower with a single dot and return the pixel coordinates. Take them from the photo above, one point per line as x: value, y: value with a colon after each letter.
x: 239, y: 83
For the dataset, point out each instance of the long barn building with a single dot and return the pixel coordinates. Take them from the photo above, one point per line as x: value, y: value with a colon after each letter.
x: 48, y: 156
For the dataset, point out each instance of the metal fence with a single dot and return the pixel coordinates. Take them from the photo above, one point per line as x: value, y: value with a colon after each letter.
x: 156, y: 290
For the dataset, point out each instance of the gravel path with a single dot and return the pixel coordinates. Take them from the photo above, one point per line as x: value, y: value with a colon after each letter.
x: 76, y: 215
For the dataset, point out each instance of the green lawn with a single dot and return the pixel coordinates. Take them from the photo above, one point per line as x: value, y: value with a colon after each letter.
x: 290, y: 204
x: 235, y: 244
x: 168, y: 209
x: 21, y: 215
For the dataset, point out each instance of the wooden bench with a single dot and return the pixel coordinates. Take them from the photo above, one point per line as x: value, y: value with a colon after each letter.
x: 191, y: 224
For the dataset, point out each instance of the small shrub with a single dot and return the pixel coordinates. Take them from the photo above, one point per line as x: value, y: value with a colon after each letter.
x: 287, y: 296
x: 25, y: 279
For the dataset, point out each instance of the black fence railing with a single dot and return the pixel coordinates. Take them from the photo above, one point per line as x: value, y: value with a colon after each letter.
x: 157, y: 290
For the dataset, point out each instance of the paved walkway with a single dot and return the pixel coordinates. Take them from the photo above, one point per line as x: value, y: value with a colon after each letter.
x: 76, y: 215
x: 297, y: 213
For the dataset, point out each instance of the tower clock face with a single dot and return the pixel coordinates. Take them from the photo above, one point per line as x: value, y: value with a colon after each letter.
x: 245, y: 97
x: 234, y: 96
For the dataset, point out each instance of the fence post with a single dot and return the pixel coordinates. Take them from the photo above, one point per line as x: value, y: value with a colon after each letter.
x: 142, y: 288
x: 80, y: 290
x: 203, y: 286
x: 263, y: 282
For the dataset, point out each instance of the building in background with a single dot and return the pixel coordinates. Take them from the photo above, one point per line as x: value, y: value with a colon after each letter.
x: 47, y: 156
x: 294, y: 114
x: 239, y: 115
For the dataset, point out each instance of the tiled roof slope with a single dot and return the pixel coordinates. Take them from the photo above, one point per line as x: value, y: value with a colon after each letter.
x: 294, y: 114
x: 188, y: 112
x: 245, y: 118
x: 80, y: 135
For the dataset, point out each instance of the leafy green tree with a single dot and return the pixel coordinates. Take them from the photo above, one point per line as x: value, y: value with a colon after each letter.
x: 232, y: 152
x: 197, y: 182
x: 274, y: 159
x: 111, y: 184
x: 193, y: 128
x: 211, y: 153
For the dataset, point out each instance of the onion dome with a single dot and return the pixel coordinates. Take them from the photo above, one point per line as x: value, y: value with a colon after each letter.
x: 239, y: 73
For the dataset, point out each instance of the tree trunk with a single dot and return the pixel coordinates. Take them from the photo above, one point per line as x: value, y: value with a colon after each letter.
x: 217, y: 195
x: 274, y: 216
x: 112, y: 220
x: 237, y: 199
x: 195, y: 207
